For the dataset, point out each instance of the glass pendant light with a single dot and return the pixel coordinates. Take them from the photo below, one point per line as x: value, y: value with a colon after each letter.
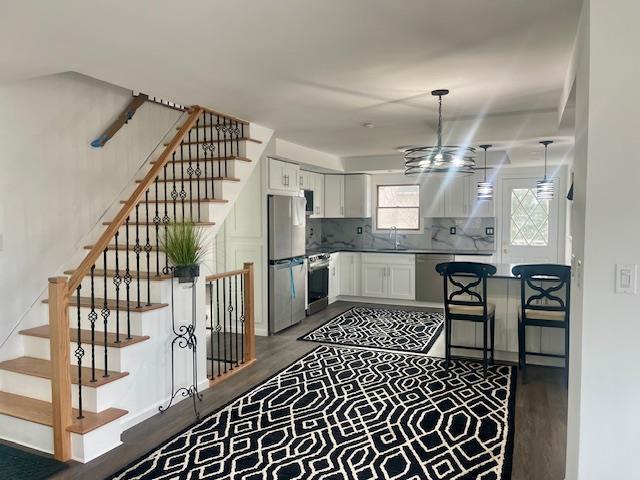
x: 544, y: 188
x: 485, y: 189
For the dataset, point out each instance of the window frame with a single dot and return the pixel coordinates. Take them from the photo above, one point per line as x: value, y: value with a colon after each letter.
x: 418, y: 207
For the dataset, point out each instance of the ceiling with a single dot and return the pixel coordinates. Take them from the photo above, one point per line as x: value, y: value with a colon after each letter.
x: 315, y: 71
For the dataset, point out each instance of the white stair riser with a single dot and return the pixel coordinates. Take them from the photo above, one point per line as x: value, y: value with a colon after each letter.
x: 85, y: 448
x: 93, y: 399
x: 140, y: 323
x: 190, y: 187
x: 24, y: 432
x: 120, y: 359
x: 160, y: 290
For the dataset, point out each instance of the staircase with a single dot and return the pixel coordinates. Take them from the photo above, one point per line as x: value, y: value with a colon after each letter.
x: 100, y: 363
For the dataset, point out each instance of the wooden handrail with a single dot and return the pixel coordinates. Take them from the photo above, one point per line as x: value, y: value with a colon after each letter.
x: 103, y: 242
x: 249, y: 315
x: 228, y: 117
x: 218, y: 276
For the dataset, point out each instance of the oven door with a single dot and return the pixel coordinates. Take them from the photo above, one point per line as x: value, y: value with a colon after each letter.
x: 318, y: 288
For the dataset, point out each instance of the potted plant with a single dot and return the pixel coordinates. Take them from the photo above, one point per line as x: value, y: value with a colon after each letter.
x: 183, y: 244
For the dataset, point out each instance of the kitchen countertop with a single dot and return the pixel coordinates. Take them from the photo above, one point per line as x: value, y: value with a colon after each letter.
x: 400, y: 250
x: 503, y: 270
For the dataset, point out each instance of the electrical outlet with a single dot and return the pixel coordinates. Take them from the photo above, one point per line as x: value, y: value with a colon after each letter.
x: 626, y: 278
x: 311, y: 231
x: 488, y: 231
x: 452, y: 230
x: 359, y: 230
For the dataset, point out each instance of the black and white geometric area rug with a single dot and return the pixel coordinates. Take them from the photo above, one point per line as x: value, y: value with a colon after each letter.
x: 352, y: 413
x: 391, y: 329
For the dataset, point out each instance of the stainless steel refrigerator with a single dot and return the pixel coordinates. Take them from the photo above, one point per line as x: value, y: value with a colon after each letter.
x: 287, y: 265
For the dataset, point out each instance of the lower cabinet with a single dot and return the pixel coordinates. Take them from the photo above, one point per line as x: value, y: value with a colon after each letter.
x: 349, y: 271
x: 334, y: 277
x: 389, y: 276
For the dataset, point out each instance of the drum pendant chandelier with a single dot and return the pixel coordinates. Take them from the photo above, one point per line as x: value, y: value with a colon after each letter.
x: 439, y: 158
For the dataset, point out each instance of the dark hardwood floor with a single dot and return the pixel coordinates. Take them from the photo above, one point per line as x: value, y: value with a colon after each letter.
x: 541, y: 408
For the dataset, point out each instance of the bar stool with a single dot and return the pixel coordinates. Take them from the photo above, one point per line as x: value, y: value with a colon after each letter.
x: 465, y: 298
x: 545, y: 297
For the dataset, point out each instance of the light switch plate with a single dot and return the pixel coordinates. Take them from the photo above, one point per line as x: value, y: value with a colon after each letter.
x: 359, y: 230
x: 452, y: 230
x: 626, y: 276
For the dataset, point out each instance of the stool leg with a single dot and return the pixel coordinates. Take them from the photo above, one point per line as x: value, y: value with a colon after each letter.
x: 447, y: 342
x: 493, y: 337
x: 484, y: 346
x: 520, y: 344
x: 566, y: 355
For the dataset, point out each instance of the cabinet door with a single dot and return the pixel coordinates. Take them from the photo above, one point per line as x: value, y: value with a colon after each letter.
x: 334, y: 278
x: 456, y: 198
x: 479, y: 208
x: 402, y: 282
x: 357, y: 196
x: 318, y: 195
x: 347, y: 277
x: 292, y: 177
x: 433, y: 196
x: 277, y: 174
x: 334, y: 196
x: 305, y: 180
x: 374, y: 280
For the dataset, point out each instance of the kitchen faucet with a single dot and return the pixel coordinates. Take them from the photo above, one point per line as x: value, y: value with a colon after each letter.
x: 394, y: 231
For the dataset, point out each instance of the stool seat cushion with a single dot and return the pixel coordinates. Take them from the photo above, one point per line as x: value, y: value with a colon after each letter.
x: 544, y: 315
x: 474, y: 310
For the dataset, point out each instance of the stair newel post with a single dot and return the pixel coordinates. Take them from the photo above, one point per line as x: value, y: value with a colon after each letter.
x: 249, y: 324
x: 60, y: 373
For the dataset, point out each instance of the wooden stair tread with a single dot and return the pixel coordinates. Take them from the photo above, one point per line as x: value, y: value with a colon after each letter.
x: 178, y: 200
x: 85, y: 335
x: 132, y: 226
x: 112, y: 273
x: 40, y: 412
x: 211, y: 159
x: 222, y: 140
x: 201, y: 179
x: 38, y: 367
x: 112, y: 304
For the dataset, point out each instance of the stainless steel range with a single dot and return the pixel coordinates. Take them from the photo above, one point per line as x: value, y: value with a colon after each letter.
x: 318, y: 282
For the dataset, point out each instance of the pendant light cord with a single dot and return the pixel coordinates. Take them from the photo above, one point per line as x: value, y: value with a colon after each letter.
x: 545, y: 161
x: 440, y: 121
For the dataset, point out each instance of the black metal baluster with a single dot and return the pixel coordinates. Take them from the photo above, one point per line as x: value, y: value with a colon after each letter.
x: 105, y: 311
x: 235, y: 287
x: 183, y: 193
x: 117, y: 280
x: 165, y: 218
x: 242, y: 315
x: 242, y: 132
x: 224, y: 139
x: 127, y: 280
x: 211, y: 329
x: 230, y: 310
x: 236, y: 132
x: 230, y: 131
x: 224, y: 323
x: 79, y: 353
x: 205, y: 150
x: 190, y: 172
x: 147, y: 246
x: 213, y: 175
x: 156, y: 221
x: 137, y: 249
x: 174, y: 192
x: 198, y: 172
x: 218, y: 144
x: 218, y: 321
x: 93, y: 316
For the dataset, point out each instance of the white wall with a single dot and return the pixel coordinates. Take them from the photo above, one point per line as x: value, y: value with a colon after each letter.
x: 53, y: 186
x: 308, y: 156
x: 604, y: 394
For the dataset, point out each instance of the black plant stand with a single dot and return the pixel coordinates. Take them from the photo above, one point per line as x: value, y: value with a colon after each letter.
x: 185, y: 338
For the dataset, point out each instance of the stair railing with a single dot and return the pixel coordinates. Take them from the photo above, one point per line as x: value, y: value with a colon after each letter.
x: 171, y: 191
x: 231, y: 342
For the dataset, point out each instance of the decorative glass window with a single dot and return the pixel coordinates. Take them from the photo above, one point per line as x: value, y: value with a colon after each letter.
x: 529, y: 218
x: 398, y: 206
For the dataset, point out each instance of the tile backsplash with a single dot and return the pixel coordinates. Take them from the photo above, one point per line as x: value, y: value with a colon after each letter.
x: 470, y: 234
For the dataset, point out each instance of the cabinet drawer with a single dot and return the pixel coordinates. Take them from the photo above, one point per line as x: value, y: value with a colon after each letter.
x: 389, y: 258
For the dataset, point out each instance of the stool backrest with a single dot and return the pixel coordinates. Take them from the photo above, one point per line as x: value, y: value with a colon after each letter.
x: 547, y: 283
x: 462, y: 280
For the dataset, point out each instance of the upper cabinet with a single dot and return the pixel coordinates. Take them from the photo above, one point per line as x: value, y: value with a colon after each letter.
x: 314, y: 182
x: 456, y: 202
x: 357, y: 196
x: 433, y: 197
x: 347, y: 196
x: 283, y: 176
x: 334, y: 196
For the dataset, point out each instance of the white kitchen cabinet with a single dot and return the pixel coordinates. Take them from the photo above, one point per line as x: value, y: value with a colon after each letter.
x: 334, y: 196
x: 349, y: 270
x: 283, y: 176
x: 316, y: 183
x: 305, y: 180
x: 456, y: 203
x: 388, y: 276
x: 433, y: 196
x: 357, y: 196
x: 334, y: 277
